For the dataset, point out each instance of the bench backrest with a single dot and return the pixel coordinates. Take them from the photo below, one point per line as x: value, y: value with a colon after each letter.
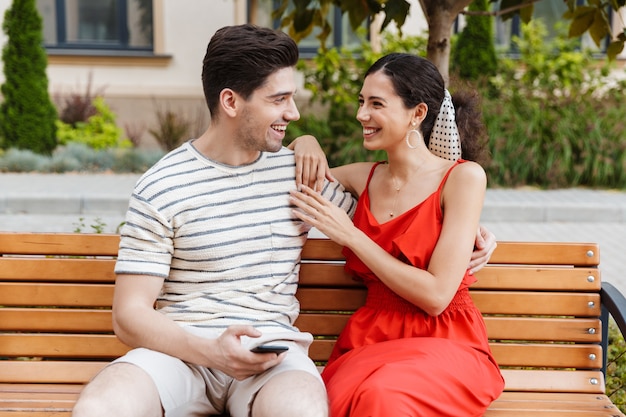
x: 541, y: 303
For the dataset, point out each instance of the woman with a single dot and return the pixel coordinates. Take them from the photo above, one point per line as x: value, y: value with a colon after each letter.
x: 418, y: 347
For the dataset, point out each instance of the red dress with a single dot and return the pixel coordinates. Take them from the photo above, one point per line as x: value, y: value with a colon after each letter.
x: 392, y: 359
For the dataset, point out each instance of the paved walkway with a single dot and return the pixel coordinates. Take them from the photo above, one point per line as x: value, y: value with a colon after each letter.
x: 70, y: 202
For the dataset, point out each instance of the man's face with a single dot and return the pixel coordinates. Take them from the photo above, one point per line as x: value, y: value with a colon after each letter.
x: 268, y: 111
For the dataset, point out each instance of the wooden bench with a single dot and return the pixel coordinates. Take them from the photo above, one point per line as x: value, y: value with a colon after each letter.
x: 544, y: 305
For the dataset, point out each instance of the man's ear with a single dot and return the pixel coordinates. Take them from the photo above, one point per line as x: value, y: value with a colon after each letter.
x: 229, y: 102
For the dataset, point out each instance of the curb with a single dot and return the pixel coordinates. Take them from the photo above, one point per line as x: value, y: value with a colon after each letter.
x: 493, y: 211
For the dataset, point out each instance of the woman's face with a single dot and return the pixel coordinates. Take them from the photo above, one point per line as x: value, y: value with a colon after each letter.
x: 382, y: 113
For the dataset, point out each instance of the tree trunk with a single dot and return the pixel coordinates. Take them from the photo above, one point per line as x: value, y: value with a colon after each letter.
x: 440, y: 15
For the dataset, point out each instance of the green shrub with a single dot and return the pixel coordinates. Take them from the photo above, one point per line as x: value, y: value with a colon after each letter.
x: 98, y: 132
x: 27, y: 115
x: 60, y: 163
x: 134, y: 160
x: 172, y: 129
x: 555, y: 123
x: 78, y: 106
x: 80, y: 157
x: 616, y: 367
x: 474, y: 53
x: 90, y: 159
x: 22, y: 160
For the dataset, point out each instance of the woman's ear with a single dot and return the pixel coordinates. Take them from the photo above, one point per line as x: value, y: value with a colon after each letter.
x: 420, y: 112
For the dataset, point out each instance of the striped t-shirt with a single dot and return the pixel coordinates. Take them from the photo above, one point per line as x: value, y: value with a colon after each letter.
x: 223, y: 238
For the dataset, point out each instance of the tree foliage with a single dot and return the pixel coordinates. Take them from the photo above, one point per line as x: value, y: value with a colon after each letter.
x: 27, y: 114
x: 304, y: 15
x: 474, y: 55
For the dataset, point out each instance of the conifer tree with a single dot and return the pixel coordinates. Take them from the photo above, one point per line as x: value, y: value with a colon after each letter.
x: 474, y: 54
x: 27, y: 114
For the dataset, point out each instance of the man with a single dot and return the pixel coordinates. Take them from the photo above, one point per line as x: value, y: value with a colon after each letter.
x: 211, y: 240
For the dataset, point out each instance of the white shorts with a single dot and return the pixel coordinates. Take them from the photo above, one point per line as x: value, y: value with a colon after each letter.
x: 191, y: 390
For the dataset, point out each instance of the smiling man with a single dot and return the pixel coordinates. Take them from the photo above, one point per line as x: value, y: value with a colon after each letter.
x: 210, y: 240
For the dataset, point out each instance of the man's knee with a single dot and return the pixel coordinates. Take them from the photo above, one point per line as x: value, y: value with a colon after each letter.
x: 291, y: 393
x: 121, y: 389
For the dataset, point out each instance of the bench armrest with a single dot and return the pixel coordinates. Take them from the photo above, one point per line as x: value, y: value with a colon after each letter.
x: 615, y: 302
x: 614, y: 305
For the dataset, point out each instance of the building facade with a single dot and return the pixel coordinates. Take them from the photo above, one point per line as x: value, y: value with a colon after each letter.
x: 145, y: 56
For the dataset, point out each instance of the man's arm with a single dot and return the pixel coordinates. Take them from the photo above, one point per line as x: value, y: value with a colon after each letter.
x: 138, y: 324
x: 484, y: 246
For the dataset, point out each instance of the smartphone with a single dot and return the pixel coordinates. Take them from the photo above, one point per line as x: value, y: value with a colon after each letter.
x: 278, y: 349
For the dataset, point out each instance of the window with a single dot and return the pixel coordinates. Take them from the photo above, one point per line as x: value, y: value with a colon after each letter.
x: 550, y: 12
x: 120, y: 25
x: 341, y: 35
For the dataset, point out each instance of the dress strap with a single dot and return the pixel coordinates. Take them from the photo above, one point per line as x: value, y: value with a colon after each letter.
x: 445, y: 177
x: 367, y: 185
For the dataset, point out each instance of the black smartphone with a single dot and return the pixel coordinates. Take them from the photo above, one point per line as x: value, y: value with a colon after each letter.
x: 278, y: 349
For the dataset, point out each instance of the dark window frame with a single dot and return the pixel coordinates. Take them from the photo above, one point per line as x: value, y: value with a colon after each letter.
x: 120, y: 46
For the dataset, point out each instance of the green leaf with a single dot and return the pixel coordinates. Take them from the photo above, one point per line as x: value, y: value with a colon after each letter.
x: 581, y: 22
x: 396, y: 10
x: 600, y: 28
x: 303, y: 20
x: 526, y: 13
x: 615, y: 48
x: 358, y: 11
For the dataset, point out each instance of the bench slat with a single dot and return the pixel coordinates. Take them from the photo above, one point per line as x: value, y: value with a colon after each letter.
x: 585, y: 356
x: 55, y: 320
x: 500, y: 328
x: 513, y: 354
x: 544, y: 329
x: 553, y: 381
x: 503, y: 302
x: 551, y: 404
x: 53, y: 269
x: 61, y: 345
x: 537, y: 303
x: 66, y: 295
x: 322, y: 249
x: 76, y: 244
x: 537, y: 278
x: 538, y: 253
x: 489, y: 302
x: 320, y: 274
x: 47, y: 372
x: 315, y: 299
x: 508, y: 405
x: 490, y: 277
x: 546, y: 253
